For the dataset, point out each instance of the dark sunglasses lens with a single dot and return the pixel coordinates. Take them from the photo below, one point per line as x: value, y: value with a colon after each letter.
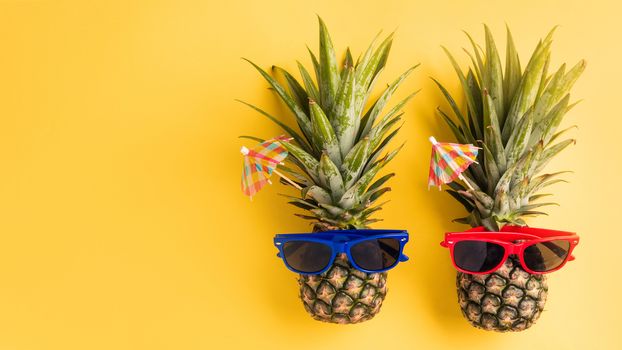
x: 546, y: 256
x: 307, y: 257
x: 477, y: 256
x: 376, y: 254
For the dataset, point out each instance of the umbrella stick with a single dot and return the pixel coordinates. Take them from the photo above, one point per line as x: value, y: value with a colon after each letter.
x: 287, y: 179
x: 466, y: 182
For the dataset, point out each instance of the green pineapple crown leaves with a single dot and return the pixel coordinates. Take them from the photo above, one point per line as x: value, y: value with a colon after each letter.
x: 514, y: 116
x: 341, y: 146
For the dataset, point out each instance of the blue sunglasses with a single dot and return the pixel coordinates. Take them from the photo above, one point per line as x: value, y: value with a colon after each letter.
x: 370, y: 251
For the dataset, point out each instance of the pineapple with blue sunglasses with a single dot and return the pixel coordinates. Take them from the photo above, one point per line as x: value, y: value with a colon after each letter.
x: 336, y: 152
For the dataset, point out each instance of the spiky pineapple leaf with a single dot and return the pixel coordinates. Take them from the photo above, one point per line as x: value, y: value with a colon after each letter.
x: 493, y: 73
x: 354, y: 162
x: 512, y: 74
x: 527, y: 88
x: 318, y: 194
x: 330, y: 177
x: 466, y: 202
x: 519, y: 139
x: 299, y: 94
x: 308, y: 162
x: 370, y: 117
x: 299, y: 139
x: 465, y: 131
x: 301, y: 117
x: 345, y: 121
x: 467, y: 93
x: 323, y: 134
x: 367, y: 69
x: 248, y: 137
x: 310, y: 86
x: 329, y: 71
x: 381, y: 181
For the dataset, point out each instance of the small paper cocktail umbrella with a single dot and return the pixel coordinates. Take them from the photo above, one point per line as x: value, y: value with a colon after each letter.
x: 259, y: 164
x: 448, y: 162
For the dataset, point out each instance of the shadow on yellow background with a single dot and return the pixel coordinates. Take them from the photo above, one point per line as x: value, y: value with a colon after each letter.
x: 122, y: 222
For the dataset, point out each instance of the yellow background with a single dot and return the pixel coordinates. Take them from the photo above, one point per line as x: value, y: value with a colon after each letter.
x: 121, y: 220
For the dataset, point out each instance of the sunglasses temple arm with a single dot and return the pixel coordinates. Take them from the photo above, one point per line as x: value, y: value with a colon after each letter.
x: 571, y: 258
x: 403, y: 258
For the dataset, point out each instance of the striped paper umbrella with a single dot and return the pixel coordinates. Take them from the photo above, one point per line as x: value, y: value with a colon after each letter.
x: 448, y: 162
x: 260, y: 162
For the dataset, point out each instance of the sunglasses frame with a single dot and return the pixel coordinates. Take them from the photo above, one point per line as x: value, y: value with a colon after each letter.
x: 514, y: 240
x: 340, y: 241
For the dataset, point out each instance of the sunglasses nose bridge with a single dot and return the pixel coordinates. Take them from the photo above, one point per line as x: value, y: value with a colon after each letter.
x: 514, y: 249
x: 340, y: 244
x: 340, y: 248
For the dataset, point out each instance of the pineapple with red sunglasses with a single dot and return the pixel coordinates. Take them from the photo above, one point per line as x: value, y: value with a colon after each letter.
x: 512, y: 115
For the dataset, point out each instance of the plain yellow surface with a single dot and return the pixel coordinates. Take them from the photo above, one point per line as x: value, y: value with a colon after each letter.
x: 121, y: 220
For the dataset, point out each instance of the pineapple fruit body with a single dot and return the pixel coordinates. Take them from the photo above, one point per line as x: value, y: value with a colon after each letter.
x: 513, y: 114
x: 509, y: 299
x: 343, y: 294
x: 340, y: 145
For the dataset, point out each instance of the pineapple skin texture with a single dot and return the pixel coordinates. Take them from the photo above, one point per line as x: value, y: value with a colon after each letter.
x: 507, y: 300
x: 343, y: 294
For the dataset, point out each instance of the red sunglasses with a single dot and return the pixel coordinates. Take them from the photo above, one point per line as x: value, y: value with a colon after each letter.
x: 477, y: 251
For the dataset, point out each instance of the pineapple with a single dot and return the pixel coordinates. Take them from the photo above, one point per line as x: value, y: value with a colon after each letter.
x: 513, y: 115
x: 334, y: 158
